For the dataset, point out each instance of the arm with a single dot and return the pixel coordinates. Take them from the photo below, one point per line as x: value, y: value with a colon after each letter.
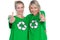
x: 11, y: 20
x: 43, y: 23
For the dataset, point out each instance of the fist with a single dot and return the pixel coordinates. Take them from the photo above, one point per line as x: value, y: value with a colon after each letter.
x: 42, y: 18
x: 11, y: 19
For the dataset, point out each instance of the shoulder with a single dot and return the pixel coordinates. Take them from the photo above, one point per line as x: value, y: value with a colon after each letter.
x: 29, y: 16
x: 42, y: 11
x: 15, y: 16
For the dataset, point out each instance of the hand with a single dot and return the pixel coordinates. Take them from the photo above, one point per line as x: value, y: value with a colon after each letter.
x: 12, y: 19
x: 44, y: 30
x: 42, y: 18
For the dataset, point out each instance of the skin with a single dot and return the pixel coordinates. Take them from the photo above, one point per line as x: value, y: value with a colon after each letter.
x: 19, y: 9
x: 34, y: 9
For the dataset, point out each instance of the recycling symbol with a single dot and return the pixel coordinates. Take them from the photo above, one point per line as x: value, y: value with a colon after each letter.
x: 34, y: 24
x: 21, y: 26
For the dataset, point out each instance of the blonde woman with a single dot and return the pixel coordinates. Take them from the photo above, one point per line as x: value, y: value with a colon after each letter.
x: 18, y: 23
x: 37, y: 24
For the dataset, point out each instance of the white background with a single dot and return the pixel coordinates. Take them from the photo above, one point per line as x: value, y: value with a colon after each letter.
x: 51, y: 8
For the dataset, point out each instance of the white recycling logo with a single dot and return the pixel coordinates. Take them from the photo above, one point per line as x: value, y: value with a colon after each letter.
x: 35, y: 22
x: 21, y: 28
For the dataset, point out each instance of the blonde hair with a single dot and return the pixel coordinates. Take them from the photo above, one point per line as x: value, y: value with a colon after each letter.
x: 18, y: 2
x: 34, y: 2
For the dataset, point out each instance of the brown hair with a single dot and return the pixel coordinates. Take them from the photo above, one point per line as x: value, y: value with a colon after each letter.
x: 18, y: 2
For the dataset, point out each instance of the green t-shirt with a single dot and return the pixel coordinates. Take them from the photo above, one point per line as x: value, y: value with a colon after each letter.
x: 36, y: 28
x: 19, y: 29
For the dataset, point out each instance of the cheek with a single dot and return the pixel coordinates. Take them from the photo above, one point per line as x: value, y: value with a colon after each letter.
x: 37, y: 10
x: 17, y: 9
x: 31, y: 10
x: 22, y: 10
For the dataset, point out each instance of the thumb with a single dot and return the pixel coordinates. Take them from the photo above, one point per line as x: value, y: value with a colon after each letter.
x: 40, y: 15
x: 12, y: 14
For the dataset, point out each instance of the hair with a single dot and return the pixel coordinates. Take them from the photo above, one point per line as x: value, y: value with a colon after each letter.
x: 34, y: 2
x: 18, y: 2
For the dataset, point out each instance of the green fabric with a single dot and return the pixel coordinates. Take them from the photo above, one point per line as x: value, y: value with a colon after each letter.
x: 43, y: 23
x: 43, y: 28
x: 10, y: 24
x: 37, y: 28
x: 18, y: 33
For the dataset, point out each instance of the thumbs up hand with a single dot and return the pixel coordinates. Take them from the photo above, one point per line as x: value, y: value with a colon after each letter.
x: 42, y: 18
x: 12, y: 19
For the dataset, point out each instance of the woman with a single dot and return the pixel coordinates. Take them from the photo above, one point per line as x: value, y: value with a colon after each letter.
x: 37, y: 23
x: 18, y: 23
